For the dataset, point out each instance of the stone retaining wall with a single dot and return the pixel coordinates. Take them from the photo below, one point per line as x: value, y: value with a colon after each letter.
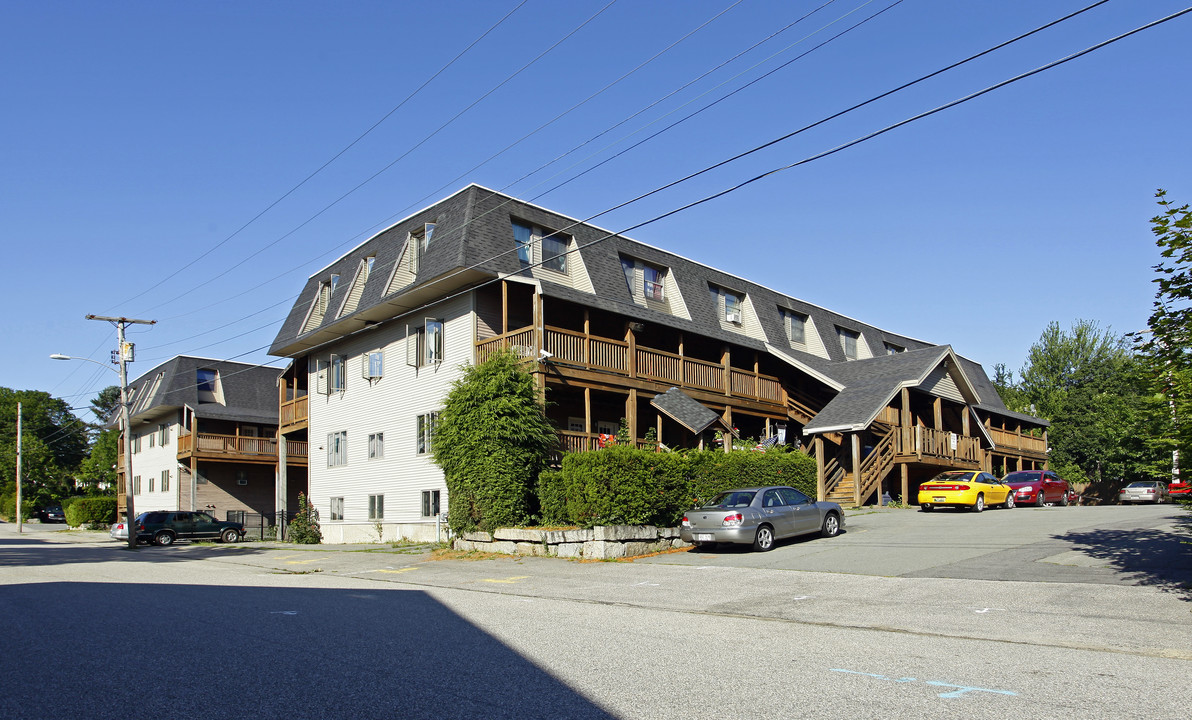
x: 598, y: 543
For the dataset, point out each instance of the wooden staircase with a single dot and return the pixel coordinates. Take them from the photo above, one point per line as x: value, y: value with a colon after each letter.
x: 842, y: 486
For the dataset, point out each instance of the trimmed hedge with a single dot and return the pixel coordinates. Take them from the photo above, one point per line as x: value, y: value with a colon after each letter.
x: 621, y: 485
x: 90, y: 511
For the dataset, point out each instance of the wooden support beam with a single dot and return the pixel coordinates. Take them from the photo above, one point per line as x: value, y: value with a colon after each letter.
x: 906, y: 484
x: 937, y: 407
x: 856, y: 469
x: 631, y: 416
x: 504, y: 306
x: 821, y: 492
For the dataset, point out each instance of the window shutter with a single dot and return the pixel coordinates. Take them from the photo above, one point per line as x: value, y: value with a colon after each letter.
x: 321, y: 377
x: 411, y: 346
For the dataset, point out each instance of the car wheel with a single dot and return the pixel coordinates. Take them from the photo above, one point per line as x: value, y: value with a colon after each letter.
x: 163, y: 538
x: 229, y: 536
x: 926, y: 507
x: 1064, y: 500
x: 831, y: 526
x: 1009, y: 504
x: 764, y: 540
x: 1040, y: 499
x: 980, y: 504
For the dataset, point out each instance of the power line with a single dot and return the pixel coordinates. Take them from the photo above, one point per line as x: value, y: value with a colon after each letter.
x: 333, y: 158
x: 401, y: 157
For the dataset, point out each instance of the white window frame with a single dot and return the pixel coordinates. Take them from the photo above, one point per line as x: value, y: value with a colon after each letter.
x: 848, y: 338
x: 425, y: 432
x: 373, y: 364
x: 376, y: 507
x: 337, y: 448
x: 376, y: 446
x: 431, y: 505
x: 337, y: 374
x: 165, y: 480
x: 336, y: 509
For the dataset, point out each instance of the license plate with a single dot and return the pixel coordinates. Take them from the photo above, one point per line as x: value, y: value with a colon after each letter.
x: 704, y: 537
x: 939, y: 499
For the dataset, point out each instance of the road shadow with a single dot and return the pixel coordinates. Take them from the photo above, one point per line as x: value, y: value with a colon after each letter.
x: 158, y: 650
x: 28, y: 551
x: 1147, y: 556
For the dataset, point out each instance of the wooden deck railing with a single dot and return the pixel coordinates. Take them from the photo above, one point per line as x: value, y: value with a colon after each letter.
x: 927, y: 442
x: 293, y: 412
x: 599, y: 353
x: 1008, y: 440
x: 209, y: 444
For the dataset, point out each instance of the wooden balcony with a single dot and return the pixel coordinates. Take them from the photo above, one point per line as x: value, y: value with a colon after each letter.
x: 1015, y: 442
x: 293, y: 414
x: 939, y: 447
x: 238, y: 448
x: 614, y: 356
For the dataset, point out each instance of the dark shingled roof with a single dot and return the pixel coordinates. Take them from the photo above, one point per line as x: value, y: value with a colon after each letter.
x: 685, y: 410
x: 473, y: 243
x: 249, y: 391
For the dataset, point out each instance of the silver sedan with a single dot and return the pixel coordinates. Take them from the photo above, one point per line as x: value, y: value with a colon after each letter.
x: 759, y: 516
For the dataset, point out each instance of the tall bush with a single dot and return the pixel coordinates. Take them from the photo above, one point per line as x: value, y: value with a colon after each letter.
x: 625, y: 486
x: 713, y: 471
x: 90, y: 511
x: 492, y: 440
x: 304, y: 528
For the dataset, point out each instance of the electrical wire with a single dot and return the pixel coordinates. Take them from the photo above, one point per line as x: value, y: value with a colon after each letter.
x: 333, y: 158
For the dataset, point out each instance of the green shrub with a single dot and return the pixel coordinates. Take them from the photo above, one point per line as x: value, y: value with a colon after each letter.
x: 8, y: 507
x: 90, y: 511
x: 625, y: 486
x: 304, y: 528
x: 714, y: 471
x: 492, y: 441
x: 552, y: 498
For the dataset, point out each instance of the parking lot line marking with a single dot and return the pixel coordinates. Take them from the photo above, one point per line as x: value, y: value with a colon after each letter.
x: 959, y: 690
x: 396, y: 572
x: 302, y: 562
x: 508, y: 580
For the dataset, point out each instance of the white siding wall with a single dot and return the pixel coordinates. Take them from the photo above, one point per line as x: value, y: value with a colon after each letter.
x: 148, y: 463
x: 390, y: 406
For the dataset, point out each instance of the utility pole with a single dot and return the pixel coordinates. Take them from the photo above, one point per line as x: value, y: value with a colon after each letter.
x: 124, y: 355
x: 20, y: 523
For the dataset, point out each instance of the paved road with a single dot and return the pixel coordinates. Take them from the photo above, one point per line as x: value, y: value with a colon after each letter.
x: 331, y: 632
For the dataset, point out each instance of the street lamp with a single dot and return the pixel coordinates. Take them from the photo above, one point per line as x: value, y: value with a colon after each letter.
x: 130, y: 514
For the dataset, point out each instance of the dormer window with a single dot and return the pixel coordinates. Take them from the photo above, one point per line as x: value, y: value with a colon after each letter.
x: 416, y: 244
x: 795, y: 325
x: 732, y: 307
x: 208, y: 386
x: 848, y: 342
x: 728, y: 304
x: 644, y: 280
x: 553, y: 246
x: 892, y: 349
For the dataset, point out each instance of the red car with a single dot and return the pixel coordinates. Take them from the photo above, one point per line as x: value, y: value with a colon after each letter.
x: 1180, y: 491
x: 1038, y: 487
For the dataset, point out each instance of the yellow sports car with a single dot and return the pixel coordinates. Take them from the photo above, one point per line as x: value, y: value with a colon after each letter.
x: 965, y: 488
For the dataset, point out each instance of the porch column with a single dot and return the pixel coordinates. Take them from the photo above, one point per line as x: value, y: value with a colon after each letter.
x: 279, y: 517
x: 1047, y: 457
x: 726, y: 362
x: 821, y: 492
x: 194, y: 469
x: 728, y: 420
x: 938, y: 411
x: 588, y: 419
x: 504, y: 306
x: 631, y: 416
x: 906, y: 484
x: 856, y: 469
x: 631, y: 361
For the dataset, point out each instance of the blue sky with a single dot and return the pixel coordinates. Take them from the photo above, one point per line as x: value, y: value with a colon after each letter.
x: 141, y: 139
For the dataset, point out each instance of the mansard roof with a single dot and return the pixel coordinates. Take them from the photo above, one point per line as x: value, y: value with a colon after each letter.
x: 473, y: 244
x: 249, y: 391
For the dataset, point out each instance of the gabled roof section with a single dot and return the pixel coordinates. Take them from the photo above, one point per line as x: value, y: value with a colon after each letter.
x: 685, y: 410
x: 871, y: 384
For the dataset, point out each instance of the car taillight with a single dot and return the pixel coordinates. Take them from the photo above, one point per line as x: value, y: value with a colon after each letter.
x: 685, y: 521
x: 734, y: 519
x: 946, y: 487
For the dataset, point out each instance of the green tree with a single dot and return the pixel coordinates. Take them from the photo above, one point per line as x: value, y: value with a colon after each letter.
x: 1167, y: 348
x: 492, y: 439
x: 99, y: 467
x: 53, y: 442
x: 106, y: 403
x: 1085, y: 381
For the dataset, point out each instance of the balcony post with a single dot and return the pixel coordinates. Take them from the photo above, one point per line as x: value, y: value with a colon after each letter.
x: 821, y: 492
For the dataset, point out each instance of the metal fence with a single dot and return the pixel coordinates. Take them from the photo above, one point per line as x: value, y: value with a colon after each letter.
x: 258, y: 526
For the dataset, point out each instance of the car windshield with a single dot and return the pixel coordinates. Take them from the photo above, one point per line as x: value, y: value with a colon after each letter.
x: 1021, y: 477
x: 951, y: 476
x: 1141, y: 485
x: 732, y: 499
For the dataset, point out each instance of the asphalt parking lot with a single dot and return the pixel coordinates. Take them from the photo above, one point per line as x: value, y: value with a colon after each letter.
x: 1107, y: 544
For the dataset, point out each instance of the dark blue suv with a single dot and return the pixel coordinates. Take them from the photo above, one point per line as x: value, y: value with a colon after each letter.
x: 163, y: 527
